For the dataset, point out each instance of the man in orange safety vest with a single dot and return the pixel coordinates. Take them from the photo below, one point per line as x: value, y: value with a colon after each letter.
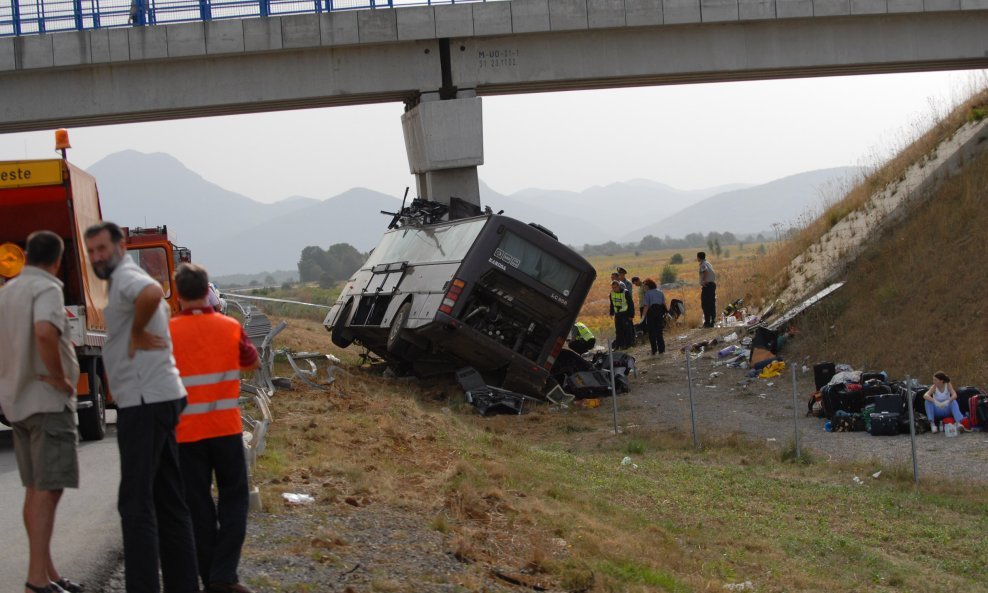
x: 210, y: 351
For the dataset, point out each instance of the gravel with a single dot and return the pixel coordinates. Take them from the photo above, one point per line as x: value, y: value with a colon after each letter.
x: 762, y: 409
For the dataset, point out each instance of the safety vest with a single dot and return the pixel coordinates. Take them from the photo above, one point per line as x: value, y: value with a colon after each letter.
x: 619, y: 302
x: 207, y: 354
x: 583, y: 332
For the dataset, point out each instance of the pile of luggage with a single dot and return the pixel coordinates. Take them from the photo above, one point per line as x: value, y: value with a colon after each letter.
x: 589, y: 375
x: 869, y: 401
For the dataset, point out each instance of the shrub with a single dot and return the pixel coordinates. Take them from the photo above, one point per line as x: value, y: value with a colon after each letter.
x: 677, y: 258
x: 668, y: 275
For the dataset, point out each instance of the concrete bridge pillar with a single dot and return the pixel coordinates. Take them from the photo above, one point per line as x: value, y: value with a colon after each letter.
x: 444, y: 140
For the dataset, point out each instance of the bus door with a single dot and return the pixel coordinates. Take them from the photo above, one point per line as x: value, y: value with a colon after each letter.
x: 378, y: 292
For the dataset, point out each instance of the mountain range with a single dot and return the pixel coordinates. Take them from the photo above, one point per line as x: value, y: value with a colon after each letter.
x: 231, y: 233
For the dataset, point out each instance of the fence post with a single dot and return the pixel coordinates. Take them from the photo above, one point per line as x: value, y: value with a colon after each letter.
x: 16, y: 16
x: 912, y: 426
x: 205, y: 10
x: 76, y: 13
x: 264, y: 7
x: 795, y: 415
x: 610, y: 357
x: 689, y: 386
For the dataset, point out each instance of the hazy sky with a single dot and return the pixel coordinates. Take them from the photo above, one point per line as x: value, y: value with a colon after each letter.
x: 689, y: 136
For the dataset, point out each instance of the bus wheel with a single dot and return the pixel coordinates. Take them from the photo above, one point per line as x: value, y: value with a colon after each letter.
x: 92, y: 421
x: 396, y: 344
x: 340, y: 336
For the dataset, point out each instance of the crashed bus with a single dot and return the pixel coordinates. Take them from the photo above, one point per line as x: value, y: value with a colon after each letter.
x: 487, y: 291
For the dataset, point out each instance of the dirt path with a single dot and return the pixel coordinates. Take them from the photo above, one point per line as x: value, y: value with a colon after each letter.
x: 763, y: 410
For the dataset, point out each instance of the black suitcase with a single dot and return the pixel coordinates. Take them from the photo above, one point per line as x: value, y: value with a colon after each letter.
x: 887, y: 402
x: 822, y: 373
x: 838, y: 397
x: 588, y: 384
x: 884, y: 424
x: 874, y: 376
x: 964, y: 395
x: 847, y: 423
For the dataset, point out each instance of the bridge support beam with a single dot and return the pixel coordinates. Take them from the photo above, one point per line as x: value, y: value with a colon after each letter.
x: 444, y: 140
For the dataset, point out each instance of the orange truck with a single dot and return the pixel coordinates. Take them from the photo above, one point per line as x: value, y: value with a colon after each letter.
x: 55, y: 195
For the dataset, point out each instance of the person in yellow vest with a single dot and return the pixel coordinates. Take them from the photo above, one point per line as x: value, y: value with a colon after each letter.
x: 620, y: 309
x: 582, y: 340
x: 210, y: 351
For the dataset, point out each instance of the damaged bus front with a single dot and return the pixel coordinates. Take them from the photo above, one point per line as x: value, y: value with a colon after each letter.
x: 487, y: 291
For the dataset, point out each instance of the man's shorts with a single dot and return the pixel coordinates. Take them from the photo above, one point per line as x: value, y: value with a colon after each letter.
x: 46, y: 449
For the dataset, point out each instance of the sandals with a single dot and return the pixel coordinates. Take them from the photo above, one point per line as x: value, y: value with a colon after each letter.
x: 62, y: 586
x: 69, y: 586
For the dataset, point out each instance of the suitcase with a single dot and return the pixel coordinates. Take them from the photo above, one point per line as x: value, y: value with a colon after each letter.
x: 972, y: 406
x: 884, y: 424
x: 874, y: 376
x: 822, y: 373
x: 847, y: 423
x: 838, y: 397
x: 588, y: 384
x: 982, y: 412
x: 964, y: 395
x: 887, y: 402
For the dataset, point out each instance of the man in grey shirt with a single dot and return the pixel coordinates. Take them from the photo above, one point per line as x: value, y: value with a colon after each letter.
x: 150, y: 398
x: 38, y: 375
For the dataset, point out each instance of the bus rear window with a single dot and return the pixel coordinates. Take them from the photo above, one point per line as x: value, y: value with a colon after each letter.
x: 536, y: 263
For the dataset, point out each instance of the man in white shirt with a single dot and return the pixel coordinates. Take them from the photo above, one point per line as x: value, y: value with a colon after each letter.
x: 708, y: 290
x: 150, y: 398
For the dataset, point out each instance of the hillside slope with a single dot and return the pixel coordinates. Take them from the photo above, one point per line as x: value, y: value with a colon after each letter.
x: 914, y: 299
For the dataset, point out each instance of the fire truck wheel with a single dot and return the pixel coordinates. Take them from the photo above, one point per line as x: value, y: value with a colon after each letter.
x: 92, y: 420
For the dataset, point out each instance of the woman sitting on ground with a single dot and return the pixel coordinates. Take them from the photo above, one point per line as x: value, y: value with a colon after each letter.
x: 655, y: 312
x: 941, y: 401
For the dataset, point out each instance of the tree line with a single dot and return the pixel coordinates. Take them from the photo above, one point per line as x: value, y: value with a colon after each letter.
x: 329, y: 266
x: 716, y: 243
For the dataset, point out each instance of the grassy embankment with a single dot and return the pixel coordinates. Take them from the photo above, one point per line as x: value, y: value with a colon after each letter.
x: 545, y: 498
x: 771, y: 274
x: 913, y: 302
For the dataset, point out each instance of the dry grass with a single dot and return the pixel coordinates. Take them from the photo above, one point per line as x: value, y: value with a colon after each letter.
x: 770, y: 275
x: 542, y: 500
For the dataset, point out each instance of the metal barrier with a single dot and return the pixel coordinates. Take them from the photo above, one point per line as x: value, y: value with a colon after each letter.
x: 30, y: 17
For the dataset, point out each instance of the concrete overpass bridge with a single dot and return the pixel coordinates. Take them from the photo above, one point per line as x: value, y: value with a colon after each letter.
x: 441, y: 59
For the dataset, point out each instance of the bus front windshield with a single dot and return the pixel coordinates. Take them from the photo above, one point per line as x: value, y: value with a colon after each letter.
x: 425, y: 245
x: 536, y: 263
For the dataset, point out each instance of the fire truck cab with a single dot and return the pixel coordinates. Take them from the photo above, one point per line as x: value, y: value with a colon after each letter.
x: 153, y: 250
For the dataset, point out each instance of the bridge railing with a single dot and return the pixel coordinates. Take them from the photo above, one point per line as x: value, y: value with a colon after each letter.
x: 30, y: 17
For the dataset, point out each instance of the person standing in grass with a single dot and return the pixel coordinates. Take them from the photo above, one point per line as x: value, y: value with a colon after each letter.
x: 619, y: 310
x: 210, y: 351
x: 654, y: 302
x: 941, y: 401
x: 708, y: 290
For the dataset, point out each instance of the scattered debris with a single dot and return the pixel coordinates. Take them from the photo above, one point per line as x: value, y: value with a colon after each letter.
x: 294, y: 498
x: 876, y: 474
x: 745, y: 586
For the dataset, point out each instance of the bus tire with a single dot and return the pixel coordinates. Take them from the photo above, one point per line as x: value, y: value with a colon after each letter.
x: 396, y: 344
x: 340, y: 336
x: 92, y: 421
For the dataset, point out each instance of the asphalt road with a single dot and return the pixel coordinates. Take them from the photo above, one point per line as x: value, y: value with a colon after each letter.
x: 86, y: 543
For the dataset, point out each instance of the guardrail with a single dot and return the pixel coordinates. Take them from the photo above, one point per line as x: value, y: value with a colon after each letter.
x: 30, y: 17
